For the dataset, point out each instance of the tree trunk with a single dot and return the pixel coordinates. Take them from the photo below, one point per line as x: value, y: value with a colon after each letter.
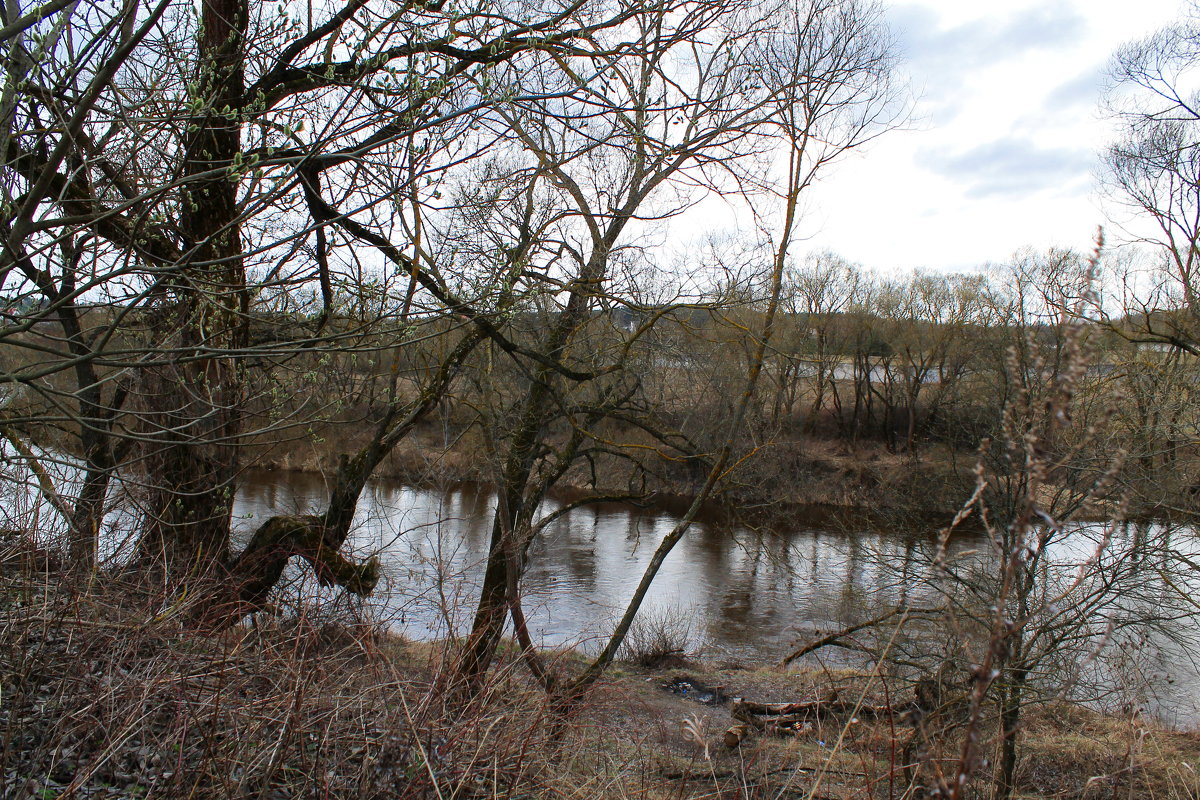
x: 95, y: 435
x: 194, y: 400
x: 1010, y: 719
x: 492, y: 609
x: 318, y: 538
x: 505, y: 553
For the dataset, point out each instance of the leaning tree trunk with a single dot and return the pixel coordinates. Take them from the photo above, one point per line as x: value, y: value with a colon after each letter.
x: 318, y: 538
x: 498, y: 595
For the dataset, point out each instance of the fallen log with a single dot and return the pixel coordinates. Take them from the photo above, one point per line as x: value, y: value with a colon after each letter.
x: 795, y: 718
x: 736, y: 734
x: 759, y: 714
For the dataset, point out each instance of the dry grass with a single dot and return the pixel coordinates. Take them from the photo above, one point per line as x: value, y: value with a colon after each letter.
x: 1067, y: 751
x: 658, y: 637
x: 98, y: 703
x: 95, y: 701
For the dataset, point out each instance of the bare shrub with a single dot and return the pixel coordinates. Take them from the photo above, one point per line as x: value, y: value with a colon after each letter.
x: 659, y: 637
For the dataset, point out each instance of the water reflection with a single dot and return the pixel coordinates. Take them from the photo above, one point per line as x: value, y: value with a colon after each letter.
x: 752, y: 594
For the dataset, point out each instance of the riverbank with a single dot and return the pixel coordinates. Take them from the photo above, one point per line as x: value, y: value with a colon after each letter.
x: 819, y: 480
x: 820, y: 477
x: 100, y: 701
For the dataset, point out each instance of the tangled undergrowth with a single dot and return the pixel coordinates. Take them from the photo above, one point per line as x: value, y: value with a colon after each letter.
x: 99, y: 701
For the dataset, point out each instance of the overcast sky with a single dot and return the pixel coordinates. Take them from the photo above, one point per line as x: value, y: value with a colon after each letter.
x: 1002, y: 149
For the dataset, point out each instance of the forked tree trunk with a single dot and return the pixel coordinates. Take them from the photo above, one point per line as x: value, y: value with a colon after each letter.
x: 506, y: 553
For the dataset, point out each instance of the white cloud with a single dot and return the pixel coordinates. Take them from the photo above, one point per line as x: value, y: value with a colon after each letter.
x: 1005, y: 141
x: 1013, y: 167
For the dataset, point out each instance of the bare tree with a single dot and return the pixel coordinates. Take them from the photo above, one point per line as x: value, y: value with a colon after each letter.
x: 1153, y: 169
x: 827, y: 71
x: 176, y: 184
x: 661, y: 119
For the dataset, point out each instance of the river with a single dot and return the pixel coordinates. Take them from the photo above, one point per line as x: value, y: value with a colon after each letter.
x: 744, y: 595
x: 750, y: 596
